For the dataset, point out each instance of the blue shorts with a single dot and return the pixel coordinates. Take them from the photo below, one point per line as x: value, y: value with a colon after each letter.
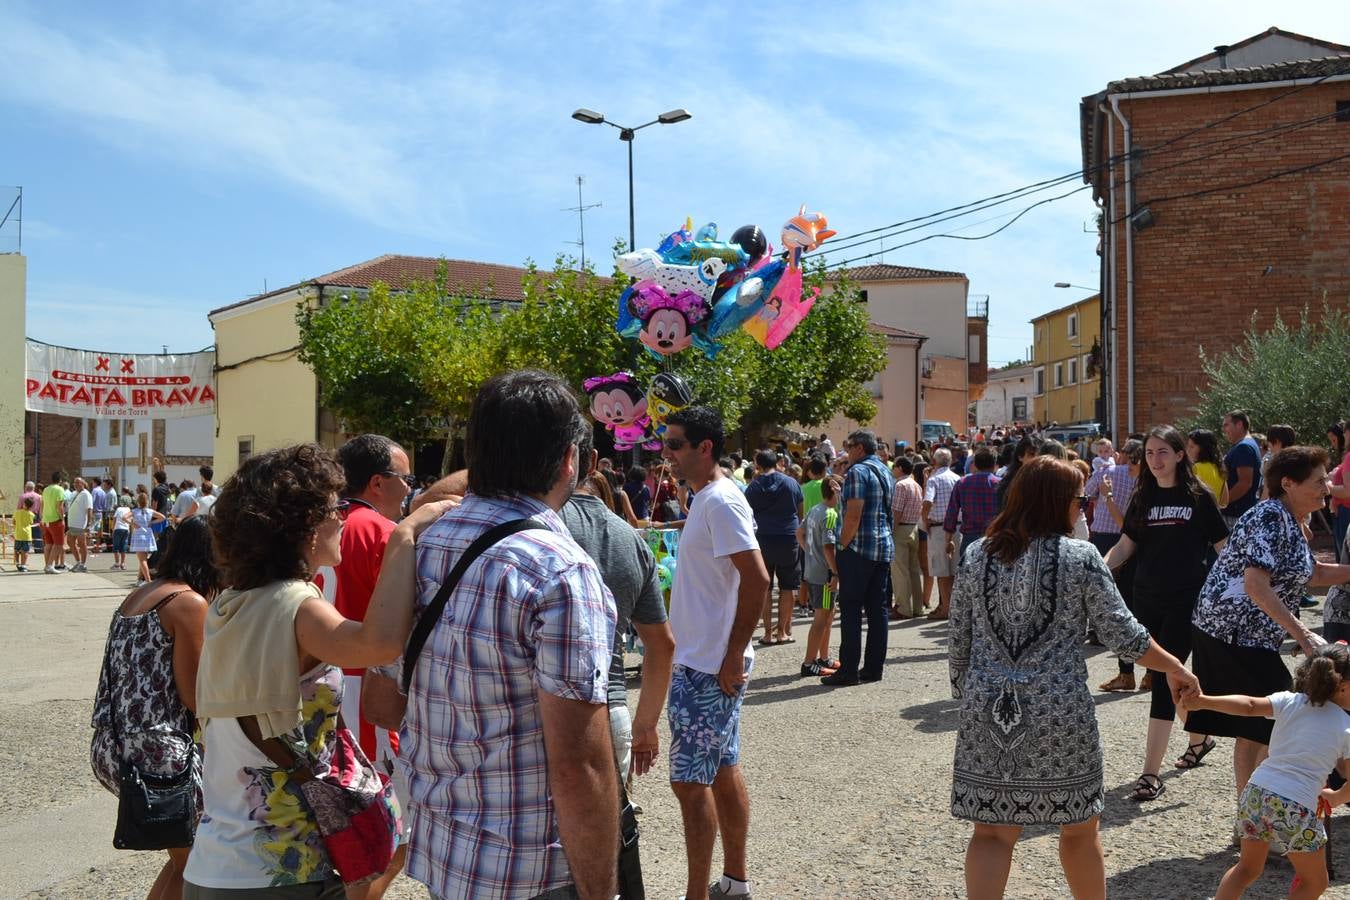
x: 23, y: 546
x: 705, y: 725
x: 121, y: 540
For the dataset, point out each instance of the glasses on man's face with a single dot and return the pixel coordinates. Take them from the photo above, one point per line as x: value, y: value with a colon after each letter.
x: 409, y: 480
x: 674, y: 443
x: 340, y: 509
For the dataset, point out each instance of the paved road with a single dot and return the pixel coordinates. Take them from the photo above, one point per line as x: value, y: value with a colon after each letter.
x: 849, y: 787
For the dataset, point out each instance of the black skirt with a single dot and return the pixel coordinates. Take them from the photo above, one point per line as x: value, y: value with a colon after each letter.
x: 1225, y: 668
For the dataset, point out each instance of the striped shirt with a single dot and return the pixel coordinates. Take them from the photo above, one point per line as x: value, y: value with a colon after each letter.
x: 1122, y: 488
x: 532, y: 614
x: 938, y: 491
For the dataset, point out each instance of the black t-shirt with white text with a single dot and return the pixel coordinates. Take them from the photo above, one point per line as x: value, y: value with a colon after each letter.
x: 1172, y: 547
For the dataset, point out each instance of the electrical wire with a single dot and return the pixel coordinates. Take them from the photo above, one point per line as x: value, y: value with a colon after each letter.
x: 1086, y: 171
x: 1237, y: 142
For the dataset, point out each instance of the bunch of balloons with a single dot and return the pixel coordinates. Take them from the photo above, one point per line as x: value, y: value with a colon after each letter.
x: 694, y: 288
x: 635, y: 417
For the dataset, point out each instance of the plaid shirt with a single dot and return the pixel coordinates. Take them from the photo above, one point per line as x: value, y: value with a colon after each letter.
x: 1122, y: 488
x: 869, y: 481
x: 938, y: 491
x: 908, y: 503
x: 532, y: 614
x: 975, y: 501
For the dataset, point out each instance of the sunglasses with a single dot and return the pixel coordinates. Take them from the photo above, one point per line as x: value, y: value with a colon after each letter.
x: 674, y: 443
x: 340, y: 509
x: 409, y: 480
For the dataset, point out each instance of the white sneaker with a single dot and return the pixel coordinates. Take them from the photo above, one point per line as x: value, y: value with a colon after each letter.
x: 50, y: 570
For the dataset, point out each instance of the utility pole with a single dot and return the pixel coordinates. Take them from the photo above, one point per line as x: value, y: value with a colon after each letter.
x: 580, y: 210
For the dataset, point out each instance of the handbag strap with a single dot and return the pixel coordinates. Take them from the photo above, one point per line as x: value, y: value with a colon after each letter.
x: 432, y: 614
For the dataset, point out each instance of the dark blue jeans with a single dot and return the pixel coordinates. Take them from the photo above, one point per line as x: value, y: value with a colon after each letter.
x: 862, y: 589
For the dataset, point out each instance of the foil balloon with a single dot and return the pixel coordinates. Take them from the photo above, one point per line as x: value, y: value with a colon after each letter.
x: 744, y: 299
x: 705, y: 246
x: 647, y: 265
x: 667, y: 393
x: 618, y: 403
x: 785, y: 307
x: 675, y: 238
x: 669, y: 323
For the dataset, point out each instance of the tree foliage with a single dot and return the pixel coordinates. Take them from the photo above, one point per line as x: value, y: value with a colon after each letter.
x: 405, y: 364
x: 408, y: 363
x: 1288, y: 375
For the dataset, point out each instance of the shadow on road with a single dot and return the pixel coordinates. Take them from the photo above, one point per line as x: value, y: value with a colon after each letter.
x: 935, y: 717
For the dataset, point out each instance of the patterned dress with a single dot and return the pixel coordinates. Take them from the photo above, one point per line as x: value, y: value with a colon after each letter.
x: 151, y: 718
x: 1028, y: 750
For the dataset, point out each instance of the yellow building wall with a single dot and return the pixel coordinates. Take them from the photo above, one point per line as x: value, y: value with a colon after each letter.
x: 1052, y: 344
x: 13, y: 328
x: 263, y: 392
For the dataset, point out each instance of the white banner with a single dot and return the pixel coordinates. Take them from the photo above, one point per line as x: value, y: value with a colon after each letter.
x: 94, y: 384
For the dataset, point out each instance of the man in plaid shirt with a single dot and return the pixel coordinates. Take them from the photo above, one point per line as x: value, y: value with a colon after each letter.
x: 506, y: 743
x: 974, y: 503
x: 866, y: 546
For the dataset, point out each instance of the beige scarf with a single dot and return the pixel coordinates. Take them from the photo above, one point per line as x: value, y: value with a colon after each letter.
x: 250, y: 664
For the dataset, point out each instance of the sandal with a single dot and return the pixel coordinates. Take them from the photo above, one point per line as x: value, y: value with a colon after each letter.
x: 1148, y: 787
x: 1192, y: 757
x: 766, y: 642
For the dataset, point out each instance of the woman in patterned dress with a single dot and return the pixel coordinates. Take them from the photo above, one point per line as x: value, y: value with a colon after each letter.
x: 1250, y: 602
x: 149, y: 679
x: 1028, y: 750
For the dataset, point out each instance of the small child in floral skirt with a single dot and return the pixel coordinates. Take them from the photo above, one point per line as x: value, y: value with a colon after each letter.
x: 1279, y: 806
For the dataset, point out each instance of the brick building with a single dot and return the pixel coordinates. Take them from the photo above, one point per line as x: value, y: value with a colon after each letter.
x: 1224, y: 185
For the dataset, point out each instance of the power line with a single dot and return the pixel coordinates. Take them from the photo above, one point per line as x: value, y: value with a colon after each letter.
x: 1236, y: 141
x: 1239, y: 185
x: 1035, y: 187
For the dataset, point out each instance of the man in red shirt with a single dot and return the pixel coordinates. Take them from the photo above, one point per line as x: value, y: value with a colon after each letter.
x: 378, y: 479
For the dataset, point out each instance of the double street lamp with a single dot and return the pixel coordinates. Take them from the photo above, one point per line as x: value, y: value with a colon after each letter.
x: 591, y: 117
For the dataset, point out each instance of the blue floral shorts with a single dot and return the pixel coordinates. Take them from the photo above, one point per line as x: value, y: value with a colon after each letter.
x: 1287, y: 826
x: 705, y: 725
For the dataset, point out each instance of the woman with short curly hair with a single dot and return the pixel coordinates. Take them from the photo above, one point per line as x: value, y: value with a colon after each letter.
x: 269, y: 669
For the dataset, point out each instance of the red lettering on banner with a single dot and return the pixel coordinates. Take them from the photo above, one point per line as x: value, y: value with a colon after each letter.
x: 62, y: 392
x: 138, y: 397
x: 208, y: 395
x: 31, y: 385
x: 115, y: 398
x: 81, y: 396
x: 48, y: 392
x: 129, y: 365
x: 102, y: 365
x: 189, y: 394
x: 175, y: 399
x: 156, y: 397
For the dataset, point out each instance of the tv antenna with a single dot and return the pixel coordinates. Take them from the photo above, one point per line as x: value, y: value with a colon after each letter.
x: 580, y: 210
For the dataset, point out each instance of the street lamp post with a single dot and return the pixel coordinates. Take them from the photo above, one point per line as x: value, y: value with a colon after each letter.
x: 591, y: 117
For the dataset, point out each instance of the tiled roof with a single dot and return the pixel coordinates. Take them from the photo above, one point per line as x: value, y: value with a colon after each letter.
x: 1284, y: 71
x: 501, y: 282
x: 887, y: 272
x: 1335, y: 48
x: 888, y: 331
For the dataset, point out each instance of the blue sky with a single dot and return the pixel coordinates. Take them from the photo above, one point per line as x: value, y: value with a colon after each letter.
x: 176, y: 157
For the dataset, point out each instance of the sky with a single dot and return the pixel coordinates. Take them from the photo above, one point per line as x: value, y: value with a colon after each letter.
x: 177, y: 157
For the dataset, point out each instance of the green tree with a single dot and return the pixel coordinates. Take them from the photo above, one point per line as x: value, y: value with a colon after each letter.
x: 1289, y: 375
x: 402, y: 363
x: 822, y: 368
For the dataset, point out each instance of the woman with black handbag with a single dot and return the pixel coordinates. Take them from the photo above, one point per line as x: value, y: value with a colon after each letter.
x: 143, y: 711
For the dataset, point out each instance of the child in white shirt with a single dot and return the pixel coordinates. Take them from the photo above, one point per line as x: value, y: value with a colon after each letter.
x: 1278, y: 807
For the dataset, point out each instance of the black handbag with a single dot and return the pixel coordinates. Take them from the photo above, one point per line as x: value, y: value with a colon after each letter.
x: 154, y: 812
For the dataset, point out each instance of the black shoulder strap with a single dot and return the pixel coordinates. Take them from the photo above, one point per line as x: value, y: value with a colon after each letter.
x: 432, y: 614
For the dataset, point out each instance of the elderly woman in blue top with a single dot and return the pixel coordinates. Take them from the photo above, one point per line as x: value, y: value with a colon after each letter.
x: 1250, y: 602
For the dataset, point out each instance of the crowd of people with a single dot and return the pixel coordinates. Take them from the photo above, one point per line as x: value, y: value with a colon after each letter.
x: 73, y: 517
x: 444, y: 662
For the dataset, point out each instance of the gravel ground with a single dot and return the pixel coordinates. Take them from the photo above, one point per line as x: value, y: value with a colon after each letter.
x: 849, y: 792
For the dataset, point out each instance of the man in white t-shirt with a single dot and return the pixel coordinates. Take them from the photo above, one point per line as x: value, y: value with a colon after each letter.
x: 79, y: 519
x: 719, y: 588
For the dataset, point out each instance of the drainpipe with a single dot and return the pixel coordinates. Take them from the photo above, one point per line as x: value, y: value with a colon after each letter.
x: 1109, y: 278
x: 918, y: 389
x: 1129, y: 266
